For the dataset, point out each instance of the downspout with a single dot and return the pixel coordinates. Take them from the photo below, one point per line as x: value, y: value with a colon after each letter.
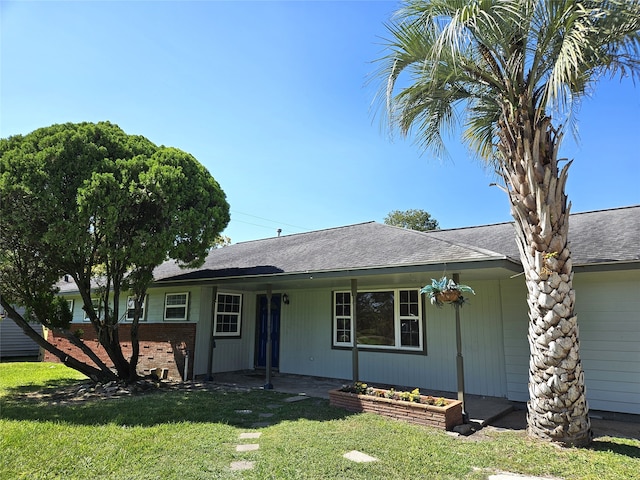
x: 185, y: 374
x: 268, y: 385
x: 212, y: 341
x: 354, y: 351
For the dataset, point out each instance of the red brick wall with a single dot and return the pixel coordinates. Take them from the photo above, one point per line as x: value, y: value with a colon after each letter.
x: 162, y: 345
x: 419, y: 413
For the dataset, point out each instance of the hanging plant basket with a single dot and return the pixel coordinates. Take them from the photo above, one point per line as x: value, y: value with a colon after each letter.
x: 446, y: 291
x: 448, y: 296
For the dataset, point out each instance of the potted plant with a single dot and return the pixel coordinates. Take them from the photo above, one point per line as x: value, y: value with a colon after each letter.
x: 446, y: 291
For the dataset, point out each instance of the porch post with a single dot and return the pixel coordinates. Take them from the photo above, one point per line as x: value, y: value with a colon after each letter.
x: 268, y: 385
x: 354, y: 363
x: 459, y: 358
x: 212, y: 341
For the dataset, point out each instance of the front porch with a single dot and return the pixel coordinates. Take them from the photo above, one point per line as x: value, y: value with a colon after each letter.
x: 481, y: 410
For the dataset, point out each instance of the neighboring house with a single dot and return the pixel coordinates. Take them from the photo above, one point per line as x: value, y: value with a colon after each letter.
x: 14, y: 343
x: 404, y: 340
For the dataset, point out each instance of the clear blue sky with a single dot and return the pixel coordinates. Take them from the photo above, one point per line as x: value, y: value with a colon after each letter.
x: 272, y: 98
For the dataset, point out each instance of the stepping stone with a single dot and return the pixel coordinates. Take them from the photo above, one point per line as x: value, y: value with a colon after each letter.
x: 249, y: 447
x: 359, y: 457
x: 265, y: 415
x: 244, y: 411
x: 250, y: 435
x: 296, y: 399
x: 242, y: 465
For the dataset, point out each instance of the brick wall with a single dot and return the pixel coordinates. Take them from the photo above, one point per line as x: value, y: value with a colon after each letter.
x: 162, y: 345
x: 418, y: 413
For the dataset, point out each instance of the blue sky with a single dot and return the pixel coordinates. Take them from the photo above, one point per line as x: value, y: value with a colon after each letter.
x: 272, y: 98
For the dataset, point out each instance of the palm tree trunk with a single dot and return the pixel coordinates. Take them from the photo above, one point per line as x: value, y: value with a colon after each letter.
x: 557, y: 408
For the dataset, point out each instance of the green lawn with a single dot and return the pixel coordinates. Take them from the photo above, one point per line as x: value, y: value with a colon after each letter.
x: 193, y: 435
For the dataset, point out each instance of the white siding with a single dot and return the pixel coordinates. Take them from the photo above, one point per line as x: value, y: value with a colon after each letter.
x: 156, y: 299
x: 306, y: 346
x: 483, y: 344
x: 154, y: 308
x: 516, y: 345
x: 305, y: 337
x: 230, y: 354
x: 203, y: 332
x: 608, y: 308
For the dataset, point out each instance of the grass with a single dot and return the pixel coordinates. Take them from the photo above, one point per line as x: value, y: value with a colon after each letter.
x: 193, y: 434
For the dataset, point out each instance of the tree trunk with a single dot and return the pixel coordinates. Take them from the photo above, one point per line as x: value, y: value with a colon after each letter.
x: 75, y: 340
x: 109, y: 338
x: 93, y: 373
x: 135, y: 340
x: 557, y: 407
x: 112, y: 332
x: 106, y: 328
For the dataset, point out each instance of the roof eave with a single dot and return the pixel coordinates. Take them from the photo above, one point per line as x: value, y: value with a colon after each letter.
x: 607, y: 266
x: 472, y: 264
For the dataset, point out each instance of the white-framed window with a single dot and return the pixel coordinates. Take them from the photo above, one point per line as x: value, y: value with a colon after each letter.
x: 228, y: 315
x: 176, y: 306
x: 342, y: 319
x: 97, y: 307
x: 131, y: 307
x: 386, y: 319
x: 70, y: 305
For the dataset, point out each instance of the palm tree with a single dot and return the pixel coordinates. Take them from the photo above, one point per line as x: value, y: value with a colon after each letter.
x: 511, y: 73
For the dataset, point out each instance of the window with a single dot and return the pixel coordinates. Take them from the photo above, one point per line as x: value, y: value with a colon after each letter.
x: 410, y: 325
x: 97, y: 306
x: 176, y: 306
x: 131, y: 306
x: 343, y: 318
x: 385, y: 318
x: 228, y: 315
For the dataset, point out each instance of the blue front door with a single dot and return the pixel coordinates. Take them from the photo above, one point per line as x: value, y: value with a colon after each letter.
x: 261, y: 344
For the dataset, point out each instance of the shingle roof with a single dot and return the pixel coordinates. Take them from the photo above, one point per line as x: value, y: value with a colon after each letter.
x: 361, y: 246
x: 604, y: 236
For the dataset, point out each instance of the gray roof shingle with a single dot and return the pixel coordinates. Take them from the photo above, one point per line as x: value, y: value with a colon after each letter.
x: 360, y: 246
x: 604, y: 236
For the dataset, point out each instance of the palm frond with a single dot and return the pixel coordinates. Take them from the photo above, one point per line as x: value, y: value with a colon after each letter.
x: 492, y: 57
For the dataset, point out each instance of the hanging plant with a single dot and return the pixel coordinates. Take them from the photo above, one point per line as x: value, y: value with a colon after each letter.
x: 446, y: 291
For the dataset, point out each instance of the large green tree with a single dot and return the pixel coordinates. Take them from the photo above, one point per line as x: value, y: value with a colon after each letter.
x: 104, y: 208
x: 511, y: 74
x: 413, y: 219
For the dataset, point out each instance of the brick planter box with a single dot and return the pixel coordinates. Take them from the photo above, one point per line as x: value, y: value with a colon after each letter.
x: 445, y: 417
